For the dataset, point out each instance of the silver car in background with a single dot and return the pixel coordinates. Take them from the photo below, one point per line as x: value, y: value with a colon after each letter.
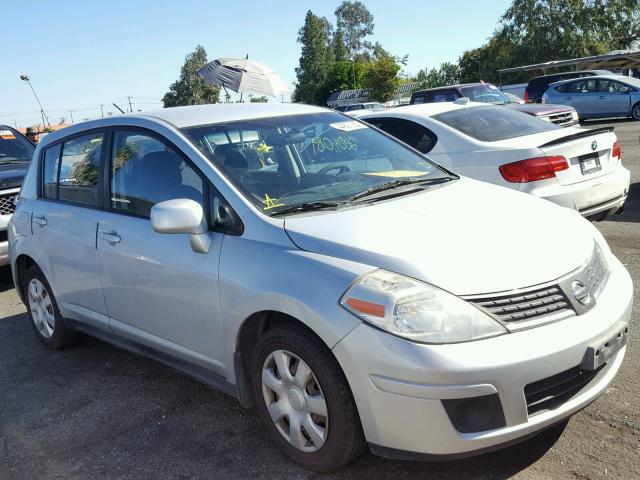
x: 304, y: 262
x: 602, y: 96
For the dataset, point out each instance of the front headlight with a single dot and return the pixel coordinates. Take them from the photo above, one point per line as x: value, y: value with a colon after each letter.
x: 416, y: 310
x: 574, y: 116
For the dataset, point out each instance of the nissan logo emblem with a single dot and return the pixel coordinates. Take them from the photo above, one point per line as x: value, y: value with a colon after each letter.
x: 594, y: 145
x: 580, y: 292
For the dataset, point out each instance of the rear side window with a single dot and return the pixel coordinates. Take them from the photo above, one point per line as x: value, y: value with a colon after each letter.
x: 146, y: 171
x: 582, y: 86
x: 80, y: 168
x: 50, y: 172
x: 445, y: 96
x: 411, y: 133
x: 564, y: 88
x: 492, y: 123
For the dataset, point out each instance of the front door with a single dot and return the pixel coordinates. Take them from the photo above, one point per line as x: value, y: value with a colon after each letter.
x: 158, y: 291
x: 613, y: 99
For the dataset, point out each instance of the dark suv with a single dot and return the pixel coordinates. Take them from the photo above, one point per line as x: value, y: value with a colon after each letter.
x: 561, y: 115
x: 15, y: 155
x: 538, y: 85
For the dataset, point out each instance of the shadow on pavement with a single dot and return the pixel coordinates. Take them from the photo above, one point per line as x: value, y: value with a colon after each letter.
x: 631, y: 211
x: 6, y: 280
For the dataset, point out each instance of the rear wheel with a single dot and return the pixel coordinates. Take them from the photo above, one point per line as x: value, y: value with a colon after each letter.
x: 304, y: 399
x: 43, y: 311
x: 635, y: 111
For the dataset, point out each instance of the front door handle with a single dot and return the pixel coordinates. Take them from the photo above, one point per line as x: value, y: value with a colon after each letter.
x: 568, y: 98
x: 40, y: 220
x: 109, y: 236
x: 601, y: 97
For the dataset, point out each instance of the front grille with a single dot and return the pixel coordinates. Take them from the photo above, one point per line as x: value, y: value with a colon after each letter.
x: 553, y: 391
x: 595, y: 271
x: 562, y: 118
x: 6, y: 204
x: 525, y: 306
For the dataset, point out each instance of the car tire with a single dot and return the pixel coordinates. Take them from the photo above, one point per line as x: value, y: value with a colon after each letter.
x: 44, y: 313
x: 295, y: 399
x: 635, y: 111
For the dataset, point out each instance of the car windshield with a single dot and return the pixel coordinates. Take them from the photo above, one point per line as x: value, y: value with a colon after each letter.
x: 14, y: 147
x: 491, y: 124
x: 486, y: 93
x: 285, y: 161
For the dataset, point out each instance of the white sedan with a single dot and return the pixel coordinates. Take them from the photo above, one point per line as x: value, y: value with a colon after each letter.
x: 574, y: 167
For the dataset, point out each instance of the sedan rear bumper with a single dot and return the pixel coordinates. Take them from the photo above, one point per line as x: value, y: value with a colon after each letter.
x: 601, y: 194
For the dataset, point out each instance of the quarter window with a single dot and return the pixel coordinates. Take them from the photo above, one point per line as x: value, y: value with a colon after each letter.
x: 411, y: 133
x: 146, y: 171
x: 79, y: 169
x: 50, y: 172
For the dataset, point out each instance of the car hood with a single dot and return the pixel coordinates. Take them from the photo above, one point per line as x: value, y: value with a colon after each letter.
x: 11, y: 174
x: 538, y: 109
x: 466, y: 237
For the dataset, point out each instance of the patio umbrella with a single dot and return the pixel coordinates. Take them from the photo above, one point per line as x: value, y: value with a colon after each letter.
x: 243, y: 75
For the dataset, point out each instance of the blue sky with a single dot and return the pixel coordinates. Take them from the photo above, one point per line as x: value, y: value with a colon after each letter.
x: 81, y: 54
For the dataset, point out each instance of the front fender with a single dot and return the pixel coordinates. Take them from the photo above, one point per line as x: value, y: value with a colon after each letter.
x: 258, y: 277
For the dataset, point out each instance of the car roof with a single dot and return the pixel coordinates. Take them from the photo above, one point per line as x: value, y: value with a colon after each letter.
x: 611, y: 76
x: 225, y: 112
x: 597, y: 72
x: 459, y: 85
x: 423, y: 109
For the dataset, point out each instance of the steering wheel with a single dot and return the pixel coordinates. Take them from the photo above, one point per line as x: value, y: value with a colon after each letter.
x: 335, y: 166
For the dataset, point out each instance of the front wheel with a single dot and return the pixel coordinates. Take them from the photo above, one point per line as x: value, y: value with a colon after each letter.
x: 635, y: 111
x: 304, y: 399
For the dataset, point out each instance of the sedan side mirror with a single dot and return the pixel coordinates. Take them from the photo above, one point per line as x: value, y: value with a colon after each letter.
x: 182, y: 216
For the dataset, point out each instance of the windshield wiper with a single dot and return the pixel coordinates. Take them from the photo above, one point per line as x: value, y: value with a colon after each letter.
x: 398, y: 183
x: 306, y: 207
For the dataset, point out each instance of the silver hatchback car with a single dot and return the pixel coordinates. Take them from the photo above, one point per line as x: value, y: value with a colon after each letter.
x: 308, y: 264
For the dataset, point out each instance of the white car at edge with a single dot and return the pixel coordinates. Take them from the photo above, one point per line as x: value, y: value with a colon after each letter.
x: 574, y: 167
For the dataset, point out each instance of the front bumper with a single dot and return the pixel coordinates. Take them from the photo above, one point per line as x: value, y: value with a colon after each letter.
x: 605, y: 193
x: 4, y: 243
x: 399, y: 386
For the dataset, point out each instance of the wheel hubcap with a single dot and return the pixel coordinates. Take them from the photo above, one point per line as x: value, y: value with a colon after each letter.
x: 41, y: 307
x: 295, y: 401
x: 636, y: 112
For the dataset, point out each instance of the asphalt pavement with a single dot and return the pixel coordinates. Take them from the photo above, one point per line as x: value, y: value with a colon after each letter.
x: 95, y: 412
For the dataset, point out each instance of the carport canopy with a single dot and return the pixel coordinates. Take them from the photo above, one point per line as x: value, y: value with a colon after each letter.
x: 619, y: 59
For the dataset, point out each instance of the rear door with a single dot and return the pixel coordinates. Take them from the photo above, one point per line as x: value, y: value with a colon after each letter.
x: 64, y: 222
x: 613, y: 99
x: 583, y: 96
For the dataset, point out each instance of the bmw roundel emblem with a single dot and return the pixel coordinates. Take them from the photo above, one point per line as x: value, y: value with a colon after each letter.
x: 580, y: 292
x: 594, y: 145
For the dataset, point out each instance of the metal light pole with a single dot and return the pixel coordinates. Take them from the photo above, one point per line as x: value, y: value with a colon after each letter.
x: 101, y: 110
x: 27, y: 79
x: 353, y: 68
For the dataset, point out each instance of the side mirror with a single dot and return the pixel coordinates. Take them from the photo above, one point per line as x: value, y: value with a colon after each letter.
x: 182, y: 216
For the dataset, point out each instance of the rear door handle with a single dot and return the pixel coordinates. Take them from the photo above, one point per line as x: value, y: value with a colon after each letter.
x: 601, y: 97
x: 109, y: 236
x: 40, y: 220
x: 569, y: 98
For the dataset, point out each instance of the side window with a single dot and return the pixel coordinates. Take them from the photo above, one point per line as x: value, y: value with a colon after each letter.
x: 445, y: 96
x: 50, y: 166
x: 411, y: 133
x: 583, y: 86
x: 565, y: 88
x: 146, y: 171
x: 80, y: 168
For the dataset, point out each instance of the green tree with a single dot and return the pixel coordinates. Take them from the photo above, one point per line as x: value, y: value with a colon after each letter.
x: 261, y: 99
x: 190, y: 88
x: 315, y: 36
x: 355, y: 21
x: 340, y: 52
x: 381, y: 76
x: 536, y: 31
x: 447, y: 74
x: 343, y: 75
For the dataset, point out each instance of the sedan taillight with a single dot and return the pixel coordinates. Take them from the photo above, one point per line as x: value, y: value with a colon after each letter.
x: 533, y: 169
x: 615, y: 151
